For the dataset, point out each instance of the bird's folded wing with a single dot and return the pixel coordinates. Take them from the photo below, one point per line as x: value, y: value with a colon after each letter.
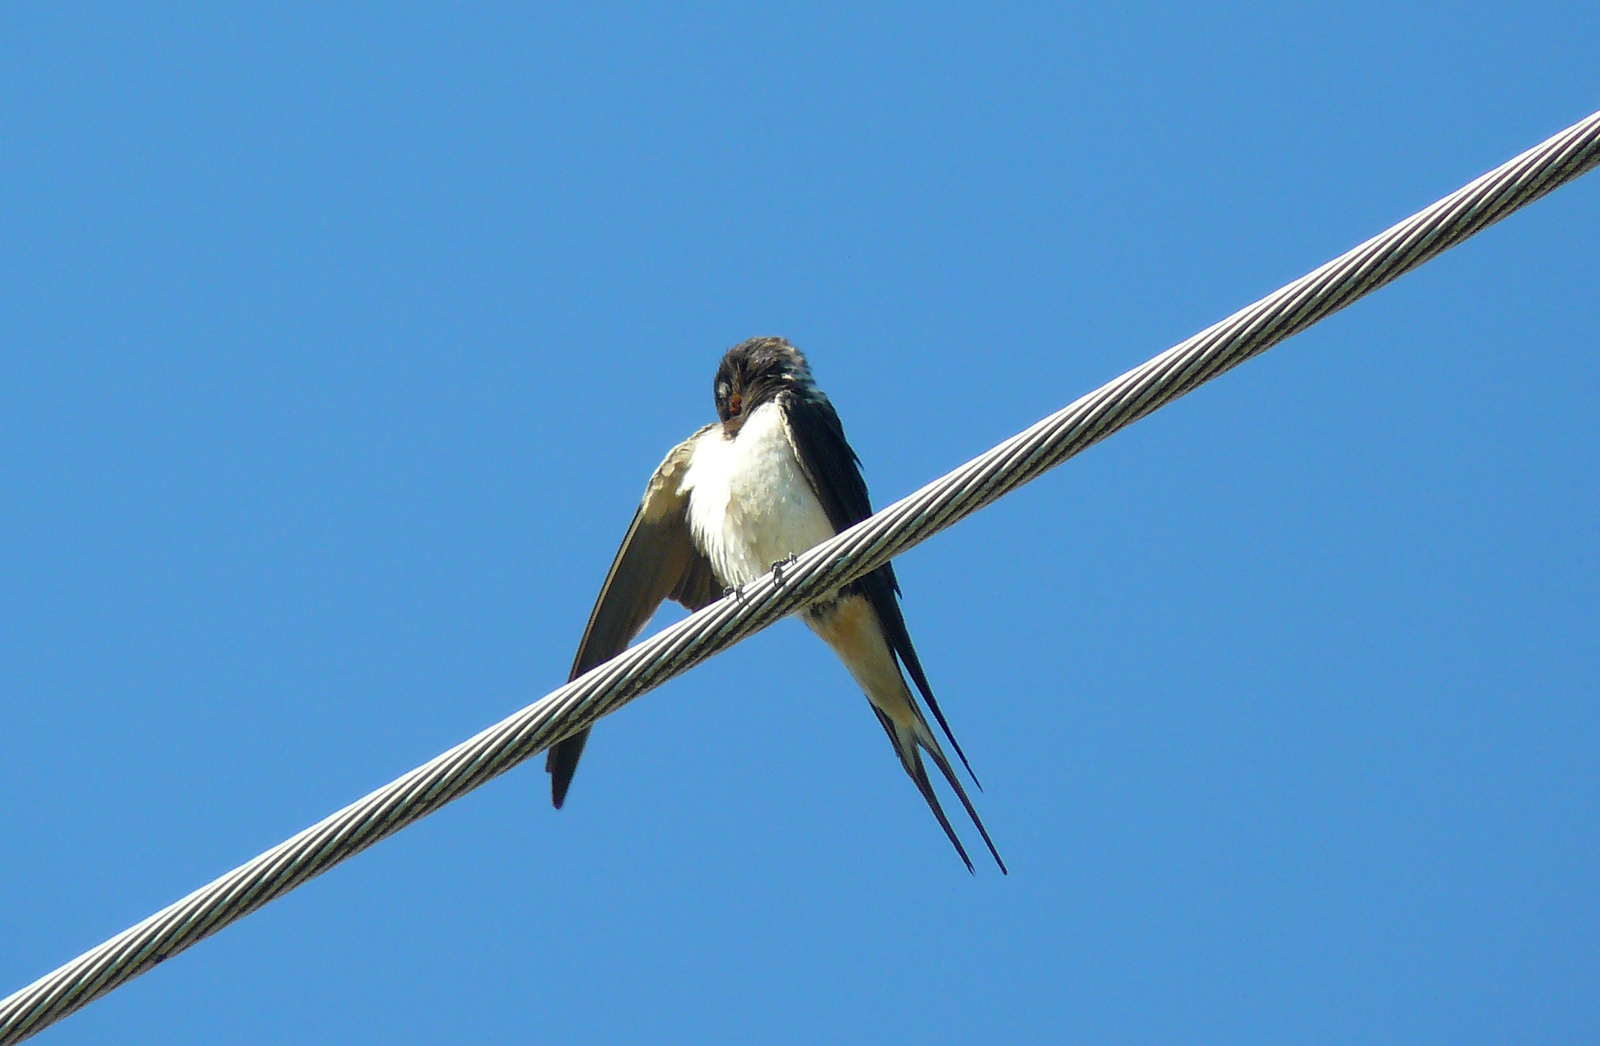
x: 834, y: 471
x: 658, y: 560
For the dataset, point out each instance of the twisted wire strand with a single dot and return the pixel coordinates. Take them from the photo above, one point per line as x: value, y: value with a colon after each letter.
x: 863, y: 548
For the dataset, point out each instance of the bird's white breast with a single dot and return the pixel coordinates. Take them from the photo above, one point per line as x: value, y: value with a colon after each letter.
x: 750, y: 504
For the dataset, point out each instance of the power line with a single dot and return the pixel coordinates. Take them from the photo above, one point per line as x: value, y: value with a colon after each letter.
x: 862, y: 548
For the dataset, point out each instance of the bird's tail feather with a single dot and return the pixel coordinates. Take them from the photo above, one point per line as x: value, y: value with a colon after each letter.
x: 907, y: 742
x: 906, y: 749
x: 955, y: 783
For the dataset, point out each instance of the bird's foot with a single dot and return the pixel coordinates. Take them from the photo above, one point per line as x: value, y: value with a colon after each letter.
x: 779, y: 567
x: 736, y: 591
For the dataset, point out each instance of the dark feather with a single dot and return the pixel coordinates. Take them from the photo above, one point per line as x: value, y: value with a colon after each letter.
x: 657, y: 561
x: 961, y: 793
x: 834, y: 470
x: 911, y: 759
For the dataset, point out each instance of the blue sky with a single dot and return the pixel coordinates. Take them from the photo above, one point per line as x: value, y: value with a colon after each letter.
x: 338, y: 345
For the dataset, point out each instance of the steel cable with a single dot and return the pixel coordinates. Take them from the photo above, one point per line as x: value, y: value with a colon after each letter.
x: 862, y: 548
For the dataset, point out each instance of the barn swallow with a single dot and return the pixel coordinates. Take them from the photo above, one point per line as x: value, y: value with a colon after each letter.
x: 772, y: 478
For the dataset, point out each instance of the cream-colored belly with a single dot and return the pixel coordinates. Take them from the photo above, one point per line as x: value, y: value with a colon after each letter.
x: 851, y: 627
x: 750, y: 503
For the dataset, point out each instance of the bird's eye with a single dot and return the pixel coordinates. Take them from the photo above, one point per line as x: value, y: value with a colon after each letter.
x: 735, y: 403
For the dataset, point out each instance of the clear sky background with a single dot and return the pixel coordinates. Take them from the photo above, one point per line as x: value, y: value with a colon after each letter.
x: 336, y: 347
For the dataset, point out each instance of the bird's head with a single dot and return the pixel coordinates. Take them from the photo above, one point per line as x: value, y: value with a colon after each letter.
x: 755, y: 372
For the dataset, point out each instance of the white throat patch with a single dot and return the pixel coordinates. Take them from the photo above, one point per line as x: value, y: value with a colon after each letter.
x: 750, y: 503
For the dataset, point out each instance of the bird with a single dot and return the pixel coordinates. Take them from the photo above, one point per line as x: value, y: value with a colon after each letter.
x: 773, y: 476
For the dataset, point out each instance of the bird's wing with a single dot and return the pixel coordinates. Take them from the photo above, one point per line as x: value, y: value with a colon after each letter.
x: 658, y: 560
x: 834, y: 471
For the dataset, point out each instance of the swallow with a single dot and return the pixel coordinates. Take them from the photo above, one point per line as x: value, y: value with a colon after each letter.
x: 771, y: 478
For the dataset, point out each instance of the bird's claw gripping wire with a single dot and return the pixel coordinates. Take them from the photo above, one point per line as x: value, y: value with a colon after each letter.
x: 779, y: 567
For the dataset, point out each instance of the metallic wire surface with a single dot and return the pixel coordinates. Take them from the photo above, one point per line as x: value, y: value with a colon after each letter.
x: 862, y: 548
